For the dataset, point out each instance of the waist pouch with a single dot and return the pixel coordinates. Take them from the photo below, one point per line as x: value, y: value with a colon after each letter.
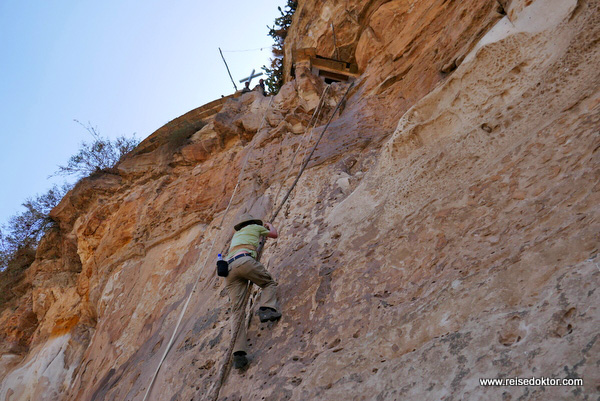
x: 222, y: 268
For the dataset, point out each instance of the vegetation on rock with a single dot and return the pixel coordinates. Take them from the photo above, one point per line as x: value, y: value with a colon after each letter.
x: 24, y: 230
x: 102, y: 153
x: 279, y: 32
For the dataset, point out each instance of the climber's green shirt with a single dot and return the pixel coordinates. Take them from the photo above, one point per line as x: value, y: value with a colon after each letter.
x: 249, y: 235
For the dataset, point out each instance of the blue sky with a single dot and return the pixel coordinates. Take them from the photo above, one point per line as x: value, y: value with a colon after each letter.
x: 125, y: 66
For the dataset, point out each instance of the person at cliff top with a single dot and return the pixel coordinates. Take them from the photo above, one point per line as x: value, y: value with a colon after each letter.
x: 260, y: 87
x: 246, y: 87
x: 243, y: 267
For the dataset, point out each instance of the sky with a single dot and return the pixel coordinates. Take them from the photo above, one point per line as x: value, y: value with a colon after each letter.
x: 126, y: 67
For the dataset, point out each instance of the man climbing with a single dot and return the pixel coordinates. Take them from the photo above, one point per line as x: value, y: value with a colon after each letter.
x: 243, y: 267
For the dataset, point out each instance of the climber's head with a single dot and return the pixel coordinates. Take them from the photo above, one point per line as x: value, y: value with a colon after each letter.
x: 245, y: 220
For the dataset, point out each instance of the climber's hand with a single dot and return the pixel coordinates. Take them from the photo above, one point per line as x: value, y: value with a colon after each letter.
x: 272, y: 230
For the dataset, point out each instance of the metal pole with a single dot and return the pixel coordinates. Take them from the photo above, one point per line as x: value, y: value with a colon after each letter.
x: 226, y: 66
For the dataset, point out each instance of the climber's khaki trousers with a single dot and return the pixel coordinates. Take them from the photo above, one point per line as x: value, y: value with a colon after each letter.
x: 242, y: 270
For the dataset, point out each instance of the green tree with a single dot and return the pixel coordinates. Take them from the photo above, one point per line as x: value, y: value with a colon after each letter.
x: 279, y: 32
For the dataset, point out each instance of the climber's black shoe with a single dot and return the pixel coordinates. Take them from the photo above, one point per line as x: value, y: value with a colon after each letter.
x: 239, y: 360
x: 265, y: 314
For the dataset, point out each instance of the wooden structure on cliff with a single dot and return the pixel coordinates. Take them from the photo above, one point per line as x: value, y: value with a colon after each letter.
x: 330, y: 69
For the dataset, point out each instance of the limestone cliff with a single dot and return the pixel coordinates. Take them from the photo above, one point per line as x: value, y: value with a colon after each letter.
x: 445, y: 230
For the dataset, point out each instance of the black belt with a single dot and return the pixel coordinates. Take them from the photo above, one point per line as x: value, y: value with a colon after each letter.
x: 241, y: 255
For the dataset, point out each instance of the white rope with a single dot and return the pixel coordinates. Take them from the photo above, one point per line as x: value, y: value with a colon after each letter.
x: 304, y: 141
x: 312, y: 131
x: 187, y: 302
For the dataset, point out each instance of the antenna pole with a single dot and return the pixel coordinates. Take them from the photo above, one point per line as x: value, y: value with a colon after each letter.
x: 226, y: 66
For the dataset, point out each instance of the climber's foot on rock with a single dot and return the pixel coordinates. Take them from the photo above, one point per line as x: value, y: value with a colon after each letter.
x: 265, y: 314
x: 239, y: 360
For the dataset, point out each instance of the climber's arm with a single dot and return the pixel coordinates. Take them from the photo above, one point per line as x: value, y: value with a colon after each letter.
x: 272, y: 230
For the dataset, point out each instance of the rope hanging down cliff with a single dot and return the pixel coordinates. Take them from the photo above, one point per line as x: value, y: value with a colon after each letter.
x: 225, y: 367
x: 189, y: 297
x: 313, y: 121
x: 306, y: 138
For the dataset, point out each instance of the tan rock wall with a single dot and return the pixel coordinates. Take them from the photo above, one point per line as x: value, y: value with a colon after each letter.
x: 435, y: 238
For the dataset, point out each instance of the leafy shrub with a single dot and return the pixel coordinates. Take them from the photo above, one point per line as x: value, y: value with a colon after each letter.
x: 24, y: 230
x: 100, y: 154
x: 21, y: 235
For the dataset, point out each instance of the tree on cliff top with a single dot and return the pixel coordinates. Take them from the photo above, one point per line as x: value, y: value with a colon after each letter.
x: 279, y: 32
x: 24, y: 230
x: 100, y: 154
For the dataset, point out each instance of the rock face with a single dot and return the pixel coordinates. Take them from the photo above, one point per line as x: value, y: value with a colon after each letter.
x: 445, y: 230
